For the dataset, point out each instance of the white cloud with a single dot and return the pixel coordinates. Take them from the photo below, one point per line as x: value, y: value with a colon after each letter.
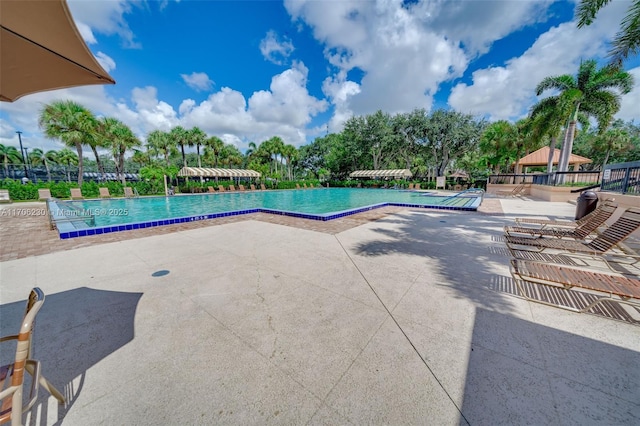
x: 106, y: 61
x: 506, y: 92
x: 106, y: 17
x: 274, y: 49
x: 630, y: 105
x: 405, y: 52
x: 198, y: 81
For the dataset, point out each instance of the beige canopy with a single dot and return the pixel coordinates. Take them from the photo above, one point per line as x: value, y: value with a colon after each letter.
x: 395, y: 173
x: 41, y: 49
x: 541, y: 157
x: 206, y: 172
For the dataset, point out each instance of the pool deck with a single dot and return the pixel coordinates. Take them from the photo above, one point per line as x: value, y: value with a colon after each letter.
x: 393, y: 316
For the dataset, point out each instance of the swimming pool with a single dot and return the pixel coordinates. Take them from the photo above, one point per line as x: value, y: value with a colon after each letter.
x: 90, y: 217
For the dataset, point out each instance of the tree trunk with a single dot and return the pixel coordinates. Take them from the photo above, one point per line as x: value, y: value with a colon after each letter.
x: 46, y: 166
x: 80, y: 165
x: 184, y: 159
x: 552, y: 149
x: 100, y: 167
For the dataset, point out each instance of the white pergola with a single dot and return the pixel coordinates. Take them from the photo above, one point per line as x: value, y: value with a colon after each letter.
x: 394, y: 173
x: 208, y: 172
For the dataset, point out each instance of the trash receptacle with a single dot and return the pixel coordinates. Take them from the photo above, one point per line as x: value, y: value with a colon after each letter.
x: 587, y: 202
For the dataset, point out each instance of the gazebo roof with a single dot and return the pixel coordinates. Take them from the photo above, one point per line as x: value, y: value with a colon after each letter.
x: 395, y: 173
x: 541, y: 157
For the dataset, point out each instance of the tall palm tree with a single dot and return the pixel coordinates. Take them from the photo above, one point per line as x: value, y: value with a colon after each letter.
x: 197, y: 137
x: 9, y: 154
x: 180, y: 137
x: 214, y: 145
x: 161, y: 143
x: 121, y: 139
x: 591, y: 92
x: 38, y: 156
x: 68, y: 158
x: 290, y: 153
x: 627, y: 40
x: 70, y: 122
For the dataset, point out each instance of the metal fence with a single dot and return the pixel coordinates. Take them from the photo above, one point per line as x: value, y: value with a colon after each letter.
x: 577, y: 179
x: 622, y: 177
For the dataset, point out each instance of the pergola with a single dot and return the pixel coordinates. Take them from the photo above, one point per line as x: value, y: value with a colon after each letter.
x: 394, y: 173
x: 208, y: 172
x: 541, y: 158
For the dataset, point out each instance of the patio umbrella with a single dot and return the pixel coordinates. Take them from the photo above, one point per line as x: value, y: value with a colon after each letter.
x: 41, y: 49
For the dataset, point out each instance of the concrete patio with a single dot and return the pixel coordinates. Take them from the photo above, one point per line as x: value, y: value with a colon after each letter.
x: 406, y: 319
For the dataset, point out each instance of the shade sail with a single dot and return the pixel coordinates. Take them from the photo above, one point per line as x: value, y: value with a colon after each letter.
x: 206, y: 172
x: 41, y: 49
x: 394, y: 173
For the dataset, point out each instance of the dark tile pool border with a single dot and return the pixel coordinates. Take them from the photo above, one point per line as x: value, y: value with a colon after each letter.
x: 64, y: 234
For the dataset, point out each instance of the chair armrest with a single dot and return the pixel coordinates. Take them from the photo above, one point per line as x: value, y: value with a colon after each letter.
x: 5, y: 338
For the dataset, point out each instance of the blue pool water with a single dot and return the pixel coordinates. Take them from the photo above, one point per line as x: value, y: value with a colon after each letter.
x: 320, y: 204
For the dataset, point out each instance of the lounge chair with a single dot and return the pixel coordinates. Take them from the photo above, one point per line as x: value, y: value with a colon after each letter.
x: 297, y: 186
x: 221, y: 188
x: 211, y: 189
x: 311, y: 185
x: 232, y: 188
x: 563, y: 223
x: 44, y: 194
x: 128, y: 192
x: 12, y: 396
x: 104, y: 192
x: 262, y: 187
x: 410, y: 186
x: 610, y: 237
x: 4, y: 196
x: 580, y: 232
x: 241, y: 187
x: 515, y: 192
x: 253, y: 187
x: 417, y: 186
x: 603, y: 285
x: 76, y: 194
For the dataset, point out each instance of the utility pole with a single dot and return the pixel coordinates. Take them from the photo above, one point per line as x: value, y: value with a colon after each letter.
x: 24, y: 161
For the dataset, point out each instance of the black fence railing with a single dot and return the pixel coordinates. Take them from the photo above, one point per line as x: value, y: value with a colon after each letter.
x: 622, y: 177
x: 58, y: 174
x: 574, y: 179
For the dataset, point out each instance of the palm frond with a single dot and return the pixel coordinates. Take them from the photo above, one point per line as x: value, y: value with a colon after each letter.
x: 587, y: 10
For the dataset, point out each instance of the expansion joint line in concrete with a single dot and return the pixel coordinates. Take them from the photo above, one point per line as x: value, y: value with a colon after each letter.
x: 402, y: 331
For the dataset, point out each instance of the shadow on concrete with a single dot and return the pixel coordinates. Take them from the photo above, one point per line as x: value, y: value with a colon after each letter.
x: 520, y: 372
x: 74, y: 330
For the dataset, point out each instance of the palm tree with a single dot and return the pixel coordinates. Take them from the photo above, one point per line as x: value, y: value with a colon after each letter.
x: 197, y: 137
x: 180, y: 137
x: 70, y: 122
x: 38, y: 156
x: 9, y: 154
x: 161, y: 143
x: 120, y: 138
x: 69, y: 158
x: 290, y: 153
x: 590, y: 92
x: 495, y: 144
x: 627, y: 40
x: 214, y: 145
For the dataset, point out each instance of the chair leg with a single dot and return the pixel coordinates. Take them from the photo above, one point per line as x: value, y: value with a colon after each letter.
x: 51, y: 389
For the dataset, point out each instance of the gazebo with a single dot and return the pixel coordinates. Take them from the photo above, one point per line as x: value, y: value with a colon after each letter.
x: 541, y: 158
x: 374, y: 174
x: 208, y: 172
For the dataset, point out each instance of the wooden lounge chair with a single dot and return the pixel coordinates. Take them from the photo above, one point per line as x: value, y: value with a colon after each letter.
x: 232, y: 188
x: 241, y: 187
x: 610, y: 237
x: 603, y: 285
x: 104, y: 192
x: 562, y: 223
x: 4, y: 196
x: 253, y: 187
x: 297, y: 186
x: 410, y: 186
x: 262, y: 187
x: 128, y: 192
x: 579, y: 232
x: 44, y: 194
x: 11, y: 397
x: 211, y: 189
x: 76, y: 194
x: 519, y: 189
x: 417, y: 186
x: 221, y: 188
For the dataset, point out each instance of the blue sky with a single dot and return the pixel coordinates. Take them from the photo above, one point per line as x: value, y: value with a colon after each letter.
x: 249, y: 70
